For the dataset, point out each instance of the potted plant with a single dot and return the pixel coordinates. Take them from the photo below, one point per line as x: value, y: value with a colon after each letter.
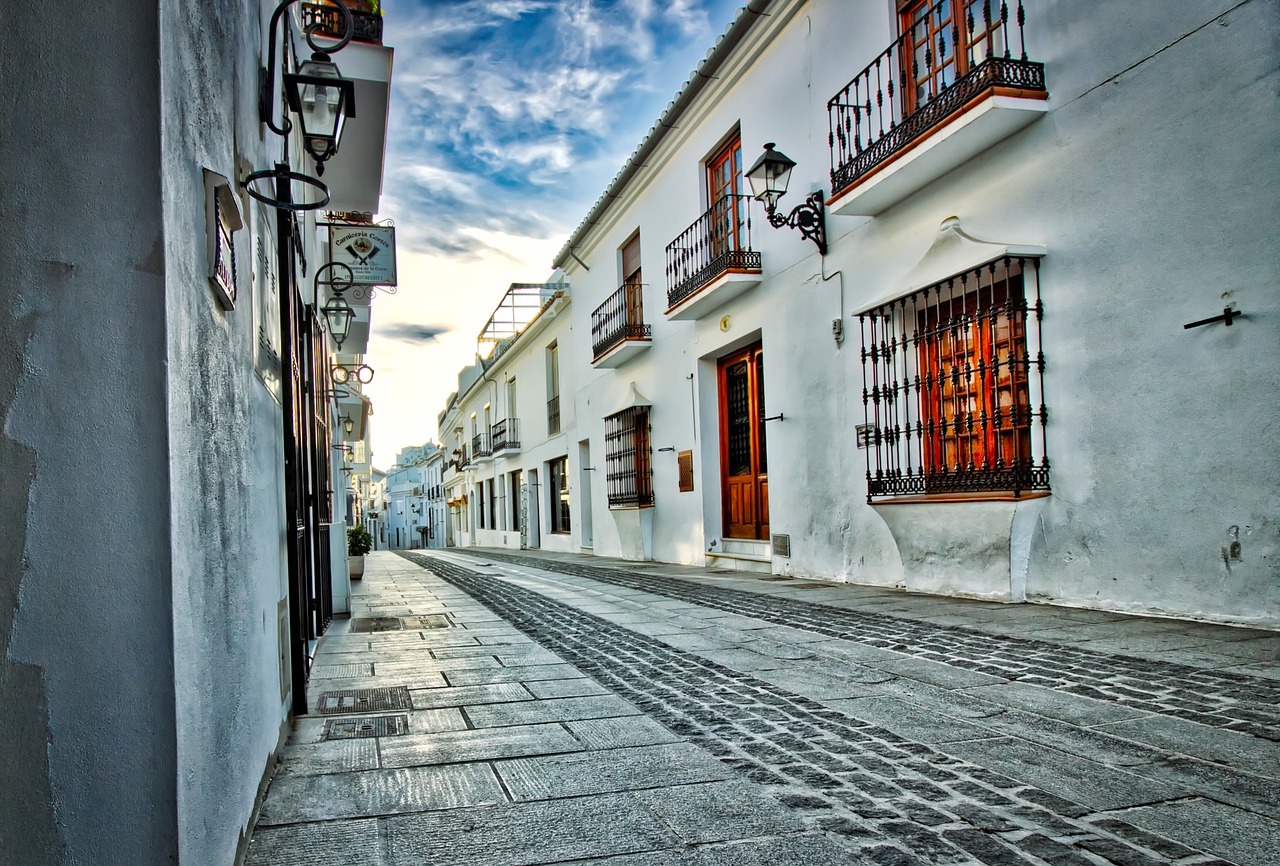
x: 359, y: 543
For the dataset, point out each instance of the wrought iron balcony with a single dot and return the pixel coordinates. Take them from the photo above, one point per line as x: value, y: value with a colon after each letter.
x: 933, y: 71
x: 617, y: 320
x: 328, y: 20
x: 506, y: 435
x: 717, y: 243
x: 480, y: 446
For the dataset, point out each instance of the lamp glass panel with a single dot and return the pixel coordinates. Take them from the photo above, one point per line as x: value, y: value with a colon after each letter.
x: 339, y: 317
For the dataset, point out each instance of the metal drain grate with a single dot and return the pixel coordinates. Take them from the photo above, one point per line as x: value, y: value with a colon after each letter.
x: 430, y: 620
x: 364, y: 700
x: 376, y: 623
x: 369, y: 726
x: 333, y: 672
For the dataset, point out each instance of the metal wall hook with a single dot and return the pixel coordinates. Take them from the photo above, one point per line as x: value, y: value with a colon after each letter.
x: 1228, y: 315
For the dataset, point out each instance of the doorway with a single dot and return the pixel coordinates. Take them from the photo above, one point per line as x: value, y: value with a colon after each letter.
x: 584, y: 494
x: 743, y: 463
x: 532, y: 519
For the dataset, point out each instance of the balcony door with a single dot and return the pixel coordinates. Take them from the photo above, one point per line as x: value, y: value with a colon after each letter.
x: 743, y: 465
x: 727, y: 206
x: 939, y: 47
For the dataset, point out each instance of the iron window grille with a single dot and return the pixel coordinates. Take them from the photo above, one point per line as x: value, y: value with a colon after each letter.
x: 628, y: 461
x: 480, y: 445
x: 940, y: 64
x: 953, y: 386
x: 719, y: 241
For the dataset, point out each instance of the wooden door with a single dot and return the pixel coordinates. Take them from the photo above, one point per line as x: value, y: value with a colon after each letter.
x: 743, y: 463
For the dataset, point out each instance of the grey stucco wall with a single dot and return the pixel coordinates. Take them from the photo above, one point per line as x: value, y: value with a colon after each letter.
x: 225, y: 438
x: 86, y: 674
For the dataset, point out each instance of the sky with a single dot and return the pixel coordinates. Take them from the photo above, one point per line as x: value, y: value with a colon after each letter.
x: 508, y: 120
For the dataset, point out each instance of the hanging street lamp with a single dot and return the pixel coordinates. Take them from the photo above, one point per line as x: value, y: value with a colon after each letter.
x: 769, y: 177
x: 323, y: 100
x: 338, y: 314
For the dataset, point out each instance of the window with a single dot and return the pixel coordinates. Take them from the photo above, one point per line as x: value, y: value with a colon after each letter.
x: 481, y: 513
x: 948, y: 386
x: 558, y: 491
x: 627, y: 458
x: 493, y: 504
x: 553, y: 389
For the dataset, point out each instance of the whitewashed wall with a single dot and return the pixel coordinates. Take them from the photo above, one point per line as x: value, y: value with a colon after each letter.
x: 1144, y: 182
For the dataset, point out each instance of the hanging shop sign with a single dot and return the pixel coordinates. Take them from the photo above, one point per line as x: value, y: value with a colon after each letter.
x: 370, y: 252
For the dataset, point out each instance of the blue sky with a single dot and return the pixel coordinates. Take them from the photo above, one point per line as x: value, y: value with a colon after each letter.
x: 512, y: 115
x: 508, y: 119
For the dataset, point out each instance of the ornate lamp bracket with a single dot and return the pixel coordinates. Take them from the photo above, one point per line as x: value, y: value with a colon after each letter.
x: 808, y: 217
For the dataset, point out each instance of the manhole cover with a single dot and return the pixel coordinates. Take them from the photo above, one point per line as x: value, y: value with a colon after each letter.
x: 430, y: 620
x: 333, y: 672
x: 376, y: 623
x: 369, y: 726
x: 364, y: 700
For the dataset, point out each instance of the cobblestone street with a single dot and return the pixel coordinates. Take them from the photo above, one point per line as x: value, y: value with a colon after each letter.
x: 486, y: 707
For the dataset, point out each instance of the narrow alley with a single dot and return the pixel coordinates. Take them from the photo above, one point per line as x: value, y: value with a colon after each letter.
x: 493, y: 707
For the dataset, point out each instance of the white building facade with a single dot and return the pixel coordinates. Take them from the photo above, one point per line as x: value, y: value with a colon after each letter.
x: 507, y: 431
x: 983, y: 386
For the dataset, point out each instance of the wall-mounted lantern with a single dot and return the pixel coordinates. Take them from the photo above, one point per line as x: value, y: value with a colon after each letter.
x: 769, y: 177
x: 322, y: 99
x: 338, y: 314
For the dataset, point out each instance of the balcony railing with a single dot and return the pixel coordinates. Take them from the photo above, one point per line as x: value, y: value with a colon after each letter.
x: 717, y: 242
x: 553, y: 415
x: 328, y: 20
x: 926, y: 76
x: 506, y: 435
x: 480, y: 446
x: 619, y: 318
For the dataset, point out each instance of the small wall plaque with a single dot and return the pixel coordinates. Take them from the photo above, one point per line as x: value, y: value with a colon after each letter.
x: 223, y: 219
x: 865, y: 433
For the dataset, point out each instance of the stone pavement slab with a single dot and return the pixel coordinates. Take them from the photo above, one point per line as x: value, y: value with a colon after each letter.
x: 1074, y: 778
x: 524, y: 833
x: 606, y: 772
x: 379, y: 792
x: 1232, y: 833
x: 476, y: 745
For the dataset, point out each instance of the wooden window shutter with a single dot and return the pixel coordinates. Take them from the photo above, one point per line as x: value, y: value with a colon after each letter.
x: 685, y: 459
